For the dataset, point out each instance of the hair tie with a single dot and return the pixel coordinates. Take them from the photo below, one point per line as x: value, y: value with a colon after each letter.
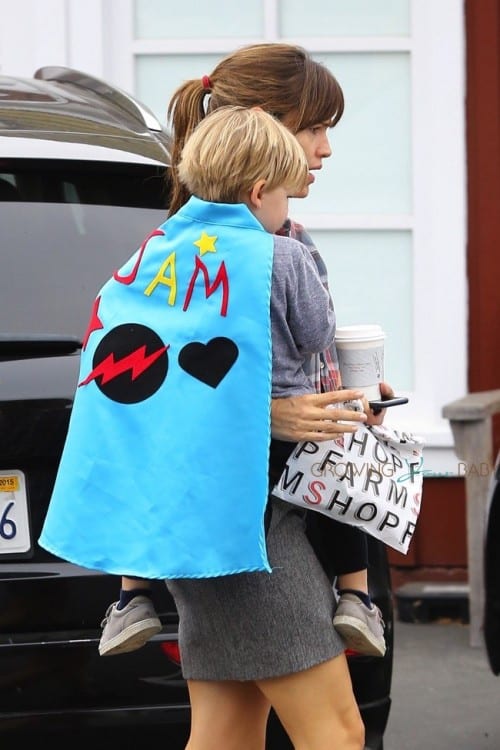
x: 207, y: 83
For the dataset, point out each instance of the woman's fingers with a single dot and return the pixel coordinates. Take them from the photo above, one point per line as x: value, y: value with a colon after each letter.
x: 321, y: 416
x: 335, y: 397
x: 311, y: 417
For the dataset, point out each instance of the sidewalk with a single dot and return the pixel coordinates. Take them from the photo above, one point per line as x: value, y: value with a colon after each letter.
x: 444, y: 696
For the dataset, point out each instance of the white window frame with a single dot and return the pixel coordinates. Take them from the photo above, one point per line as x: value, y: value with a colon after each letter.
x: 436, y: 45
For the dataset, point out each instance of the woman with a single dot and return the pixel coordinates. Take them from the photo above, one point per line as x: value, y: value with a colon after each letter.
x: 260, y: 659
x: 252, y: 641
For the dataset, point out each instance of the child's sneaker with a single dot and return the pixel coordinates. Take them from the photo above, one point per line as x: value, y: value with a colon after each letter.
x: 361, y: 628
x: 129, y: 628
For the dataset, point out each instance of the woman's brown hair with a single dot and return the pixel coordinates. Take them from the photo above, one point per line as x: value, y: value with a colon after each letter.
x: 282, y: 79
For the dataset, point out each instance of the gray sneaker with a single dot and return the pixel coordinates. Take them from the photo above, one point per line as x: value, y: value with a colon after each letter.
x: 129, y: 628
x: 362, y: 629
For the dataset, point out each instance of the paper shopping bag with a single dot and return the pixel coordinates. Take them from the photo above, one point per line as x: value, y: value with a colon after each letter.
x: 371, y: 479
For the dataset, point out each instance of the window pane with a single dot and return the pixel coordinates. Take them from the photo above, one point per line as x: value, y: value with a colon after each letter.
x: 345, y: 18
x: 370, y: 169
x: 190, y: 19
x: 371, y: 281
x: 81, y: 247
x: 158, y: 76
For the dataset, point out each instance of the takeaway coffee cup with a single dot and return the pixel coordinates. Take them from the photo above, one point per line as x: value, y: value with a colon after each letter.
x: 361, y: 358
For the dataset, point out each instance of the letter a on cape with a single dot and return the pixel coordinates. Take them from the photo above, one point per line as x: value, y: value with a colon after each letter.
x: 164, y: 469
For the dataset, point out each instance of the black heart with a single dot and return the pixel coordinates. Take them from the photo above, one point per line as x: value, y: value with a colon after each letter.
x: 209, y: 362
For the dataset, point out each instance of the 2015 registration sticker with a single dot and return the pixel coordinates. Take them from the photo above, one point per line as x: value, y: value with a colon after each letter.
x: 14, y: 518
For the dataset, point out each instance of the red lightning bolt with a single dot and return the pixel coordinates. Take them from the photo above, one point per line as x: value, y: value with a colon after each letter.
x: 135, y: 361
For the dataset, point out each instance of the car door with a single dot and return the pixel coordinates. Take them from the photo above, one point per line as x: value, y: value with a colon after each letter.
x: 492, y: 574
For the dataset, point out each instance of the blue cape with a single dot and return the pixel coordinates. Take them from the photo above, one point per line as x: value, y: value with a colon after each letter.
x: 164, y: 472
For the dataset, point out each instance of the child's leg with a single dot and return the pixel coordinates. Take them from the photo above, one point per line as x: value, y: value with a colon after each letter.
x: 130, y: 622
x: 349, y: 549
x: 355, y: 581
x: 131, y: 587
x: 132, y: 583
x: 343, y: 553
x: 357, y: 619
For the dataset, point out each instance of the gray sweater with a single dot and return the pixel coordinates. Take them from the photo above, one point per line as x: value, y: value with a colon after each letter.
x: 302, y: 317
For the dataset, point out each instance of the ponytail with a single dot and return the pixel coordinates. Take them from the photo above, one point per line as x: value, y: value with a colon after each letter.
x: 185, y: 111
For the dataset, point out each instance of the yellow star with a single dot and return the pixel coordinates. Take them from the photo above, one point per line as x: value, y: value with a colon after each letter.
x: 206, y: 243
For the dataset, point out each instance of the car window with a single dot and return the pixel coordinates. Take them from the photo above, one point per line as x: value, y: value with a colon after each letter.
x: 89, y: 182
x: 62, y: 234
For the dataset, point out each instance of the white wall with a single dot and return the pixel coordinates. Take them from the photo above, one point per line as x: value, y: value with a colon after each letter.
x: 34, y: 33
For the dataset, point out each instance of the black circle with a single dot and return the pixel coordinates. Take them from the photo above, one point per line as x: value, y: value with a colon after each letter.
x: 130, y: 363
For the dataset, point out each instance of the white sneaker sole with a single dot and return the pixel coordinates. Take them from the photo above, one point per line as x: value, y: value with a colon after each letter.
x: 358, y: 636
x: 131, y: 638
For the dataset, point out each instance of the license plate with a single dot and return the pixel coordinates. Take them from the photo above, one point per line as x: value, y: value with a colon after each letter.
x: 15, y: 536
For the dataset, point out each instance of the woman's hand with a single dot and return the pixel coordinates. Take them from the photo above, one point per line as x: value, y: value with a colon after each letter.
x: 309, y: 417
x: 386, y: 392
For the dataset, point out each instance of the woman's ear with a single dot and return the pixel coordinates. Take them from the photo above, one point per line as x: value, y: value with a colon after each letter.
x: 255, y: 195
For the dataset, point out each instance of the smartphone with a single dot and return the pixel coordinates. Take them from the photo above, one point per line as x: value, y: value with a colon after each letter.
x: 384, y: 403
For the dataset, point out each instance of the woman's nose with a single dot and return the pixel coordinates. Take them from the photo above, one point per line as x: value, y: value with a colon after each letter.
x: 325, y: 149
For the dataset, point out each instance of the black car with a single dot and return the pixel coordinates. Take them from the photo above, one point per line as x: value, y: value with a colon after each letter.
x: 492, y: 574
x: 83, y: 180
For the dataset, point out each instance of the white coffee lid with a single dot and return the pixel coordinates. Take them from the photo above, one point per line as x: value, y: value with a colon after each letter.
x: 359, y: 333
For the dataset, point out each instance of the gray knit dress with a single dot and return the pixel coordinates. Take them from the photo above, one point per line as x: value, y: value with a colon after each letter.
x: 252, y: 626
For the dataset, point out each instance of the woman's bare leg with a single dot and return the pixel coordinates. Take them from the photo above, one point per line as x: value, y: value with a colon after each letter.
x: 227, y: 715
x: 317, y: 707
